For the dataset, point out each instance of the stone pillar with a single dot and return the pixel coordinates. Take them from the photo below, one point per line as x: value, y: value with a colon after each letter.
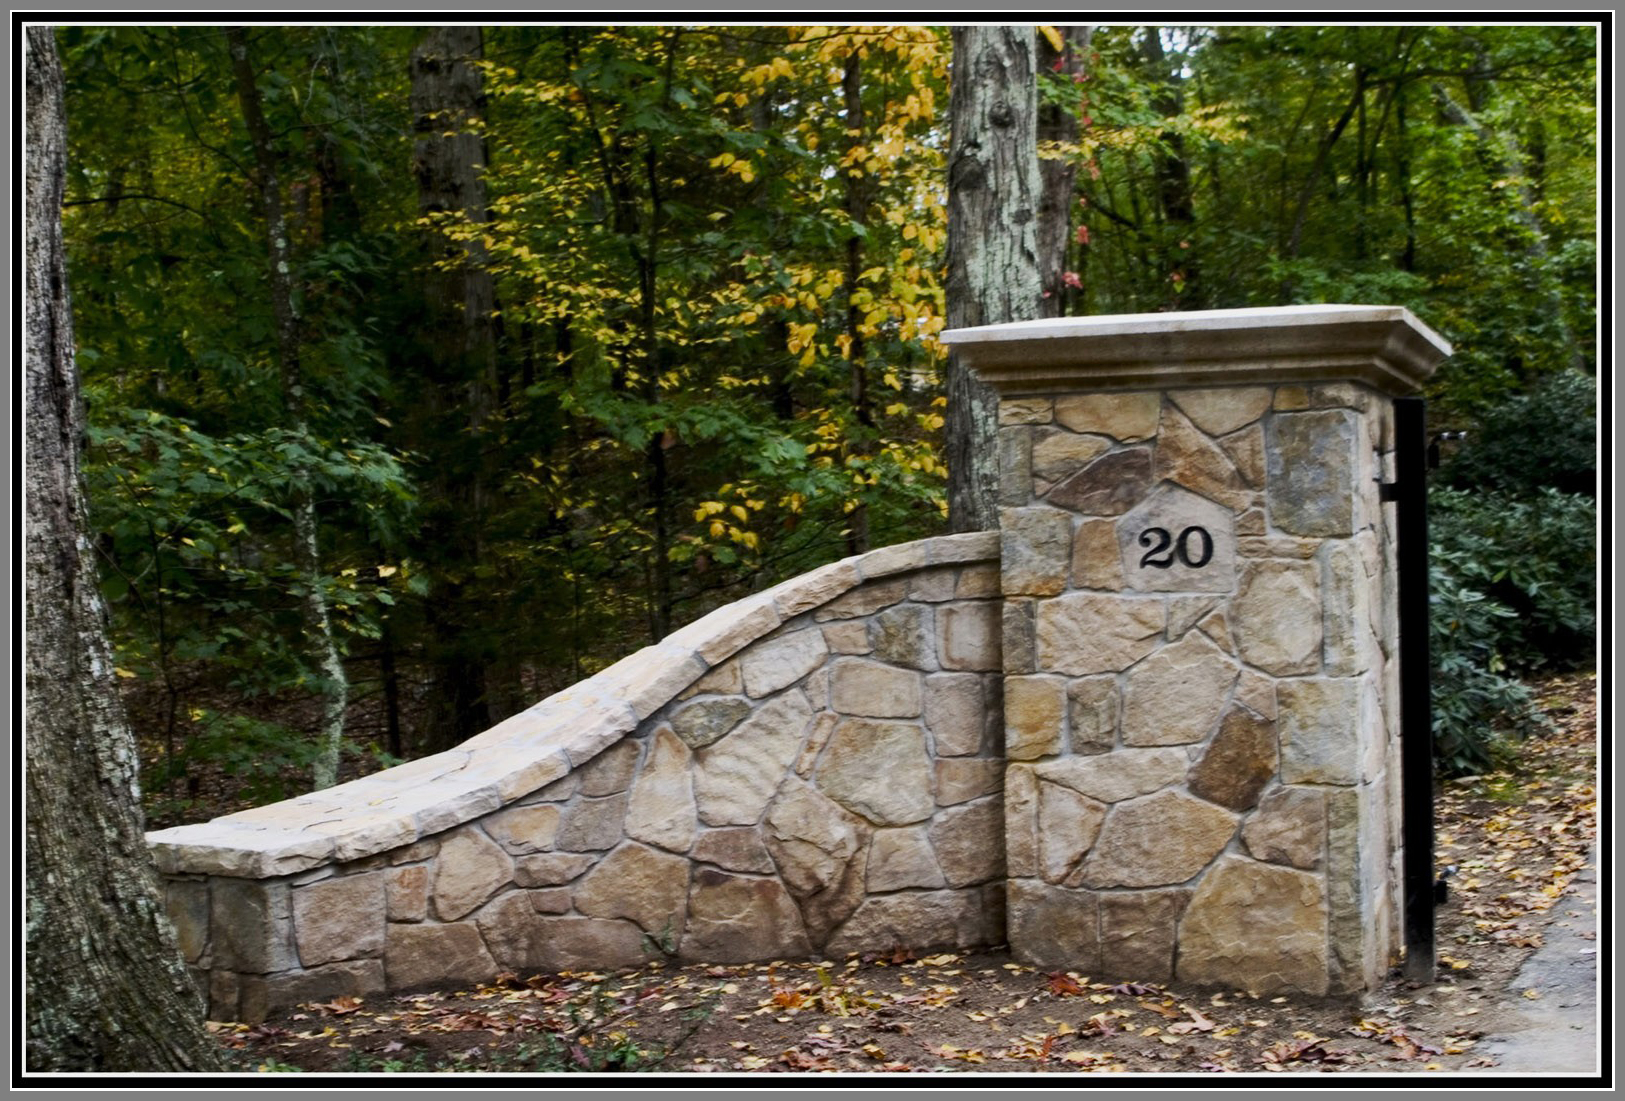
x: 1200, y: 650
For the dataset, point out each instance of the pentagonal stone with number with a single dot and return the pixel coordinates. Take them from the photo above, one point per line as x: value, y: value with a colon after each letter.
x: 1176, y: 541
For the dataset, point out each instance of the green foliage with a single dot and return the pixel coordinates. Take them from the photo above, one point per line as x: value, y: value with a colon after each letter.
x: 1557, y: 422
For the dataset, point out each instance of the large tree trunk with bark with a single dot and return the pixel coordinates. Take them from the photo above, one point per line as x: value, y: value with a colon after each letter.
x: 106, y: 986
x: 459, y: 336
x: 993, y: 201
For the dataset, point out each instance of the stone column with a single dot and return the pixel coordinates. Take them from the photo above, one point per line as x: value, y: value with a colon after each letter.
x: 1200, y: 651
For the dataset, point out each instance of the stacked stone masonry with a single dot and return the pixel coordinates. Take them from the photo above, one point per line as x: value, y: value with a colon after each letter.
x: 1200, y: 684
x: 811, y: 771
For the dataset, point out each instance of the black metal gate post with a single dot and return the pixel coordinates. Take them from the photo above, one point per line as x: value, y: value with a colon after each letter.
x: 1410, y: 494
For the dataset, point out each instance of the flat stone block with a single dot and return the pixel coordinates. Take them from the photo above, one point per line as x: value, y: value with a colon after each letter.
x: 864, y: 600
x: 1187, y: 456
x: 902, y: 858
x: 1176, y: 541
x: 1311, y: 472
x: 1034, y: 715
x: 905, y: 635
x: 1275, y: 617
x: 1026, y: 410
x: 1096, y: 563
x: 339, y: 919
x: 735, y: 778
x: 640, y: 884
x: 1289, y: 827
x: 881, y: 770
x: 1019, y: 642
x: 1161, y: 840
x: 968, y: 841
x: 969, y: 636
x: 961, y: 779
x: 821, y: 852
x: 251, y: 926
x: 1118, y: 776
x: 420, y: 956
x: 1055, y: 927
x: 933, y: 586
x: 849, y: 637
x: 739, y: 919
x: 1318, y: 722
x: 469, y: 870
x: 778, y: 663
x: 1108, y: 486
x: 738, y: 849
x: 1068, y: 824
x: 406, y: 893
x: 1138, y: 931
x: 930, y: 919
x: 187, y: 903
x: 1035, y: 550
x: 1222, y: 411
x: 662, y: 810
x: 550, y: 869
x: 590, y: 825
x: 1257, y: 927
x: 1175, y: 696
x: 1092, y: 709
x: 1057, y: 454
x: 703, y: 721
x: 955, y: 713
x: 1124, y: 417
x: 352, y: 979
x: 1083, y: 633
x: 1238, y: 763
x: 522, y: 830
x: 874, y: 690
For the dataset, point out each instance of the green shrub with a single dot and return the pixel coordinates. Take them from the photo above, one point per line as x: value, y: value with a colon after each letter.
x: 1546, y: 439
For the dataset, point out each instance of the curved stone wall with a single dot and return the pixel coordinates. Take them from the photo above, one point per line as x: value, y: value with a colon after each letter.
x: 815, y: 769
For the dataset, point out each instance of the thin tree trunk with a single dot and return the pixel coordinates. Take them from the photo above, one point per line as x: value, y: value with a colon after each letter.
x: 993, y: 198
x: 857, y: 210
x: 335, y: 686
x: 1174, y: 195
x: 1058, y: 174
x: 107, y: 988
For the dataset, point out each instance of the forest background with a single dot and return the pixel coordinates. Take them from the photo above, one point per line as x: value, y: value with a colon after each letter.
x: 430, y: 370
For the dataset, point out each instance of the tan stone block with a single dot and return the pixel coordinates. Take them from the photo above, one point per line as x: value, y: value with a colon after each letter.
x: 1082, y: 633
x: 931, y: 919
x: 850, y: 637
x: 1347, y: 395
x: 961, y: 779
x: 881, y: 770
x: 1256, y: 692
x: 978, y: 582
x: 933, y: 586
x: 967, y: 842
x: 1177, y: 541
x: 1096, y: 563
x: 1174, y: 696
x: 531, y: 775
x: 1018, y: 642
x: 970, y: 636
x: 339, y: 919
x: 824, y: 724
x: 1311, y: 459
x: 1138, y: 931
x: 720, y: 635
x: 611, y: 771
x: 1026, y: 410
x: 874, y: 690
x: 902, y: 858
x: 470, y: 869
x: 351, y: 979
x: 1054, y: 927
x: 1238, y: 763
x: 1291, y: 398
x: 1058, y: 454
x: 1184, y: 612
x: 735, y: 778
x: 251, y: 926
x: 1245, y: 450
x: 406, y: 893
x: 1289, y: 827
x: 651, y: 678
x: 1318, y: 722
x: 1186, y: 456
x: 778, y: 663
x: 738, y: 849
x: 1124, y: 417
x: 590, y: 825
x: 1035, y: 547
x: 1068, y: 824
x: 1108, y: 486
x: 637, y: 883
x: 739, y: 919
x: 821, y: 852
x: 1034, y: 714
x: 187, y: 903
x: 1277, y: 546
x: 1256, y: 927
x: 1251, y: 522
x: 1216, y: 626
x: 552, y: 900
x: 524, y: 829
x: 543, y: 943
x: 866, y: 599
x: 904, y: 635
x: 723, y: 680
x: 898, y: 558
x: 955, y: 713
x: 1160, y: 840
x: 661, y: 810
x: 420, y: 850
x: 421, y: 956
x: 1015, y: 466
x: 550, y: 869
x: 1347, y: 611
x: 1092, y: 711
x: 963, y: 548
x: 1120, y: 775
x: 1275, y: 617
x: 1222, y: 411
x: 816, y: 587
x: 1020, y: 821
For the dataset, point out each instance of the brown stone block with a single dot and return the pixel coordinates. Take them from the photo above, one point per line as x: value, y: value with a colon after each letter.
x: 470, y: 869
x: 1035, y: 548
x: 969, y: 842
x: 1096, y: 563
x: 427, y: 955
x: 1122, y: 416
x: 1109, y: 486
x: 1055, y: 928
x: 1238, y: 763
x: 880, y: 770
x: 1138, y: 930
x: 739, y: 919
x: 1161, y: 840
x: 339, y: 919
x: 1256, y: 927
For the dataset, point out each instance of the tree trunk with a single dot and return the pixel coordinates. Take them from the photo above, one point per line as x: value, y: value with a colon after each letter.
x: 993, y: 197
x: 857, y: 211
x: 1058, y: 124
x: 335, y: 686
x: 107, y: 988
x: 459, y: 336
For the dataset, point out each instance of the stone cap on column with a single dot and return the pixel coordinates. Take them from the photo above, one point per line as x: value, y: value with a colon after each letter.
x: 1384, y: 347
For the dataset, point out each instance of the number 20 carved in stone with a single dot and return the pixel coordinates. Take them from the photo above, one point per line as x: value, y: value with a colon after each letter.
x: 1161, y: 558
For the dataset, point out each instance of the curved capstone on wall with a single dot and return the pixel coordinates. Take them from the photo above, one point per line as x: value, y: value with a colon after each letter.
x: 812, y: 770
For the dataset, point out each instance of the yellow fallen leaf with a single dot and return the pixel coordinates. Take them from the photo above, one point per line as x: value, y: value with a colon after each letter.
x: 1532, y: 995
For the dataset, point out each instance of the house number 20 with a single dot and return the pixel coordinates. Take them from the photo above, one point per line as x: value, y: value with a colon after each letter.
x: 1161, y: 558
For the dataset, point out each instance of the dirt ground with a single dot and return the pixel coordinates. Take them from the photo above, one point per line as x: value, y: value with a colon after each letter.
x: 1517, y: 841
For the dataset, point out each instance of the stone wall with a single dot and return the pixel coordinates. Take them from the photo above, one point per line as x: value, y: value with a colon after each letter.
x: 1198, y: 707
x: 813, y: 770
